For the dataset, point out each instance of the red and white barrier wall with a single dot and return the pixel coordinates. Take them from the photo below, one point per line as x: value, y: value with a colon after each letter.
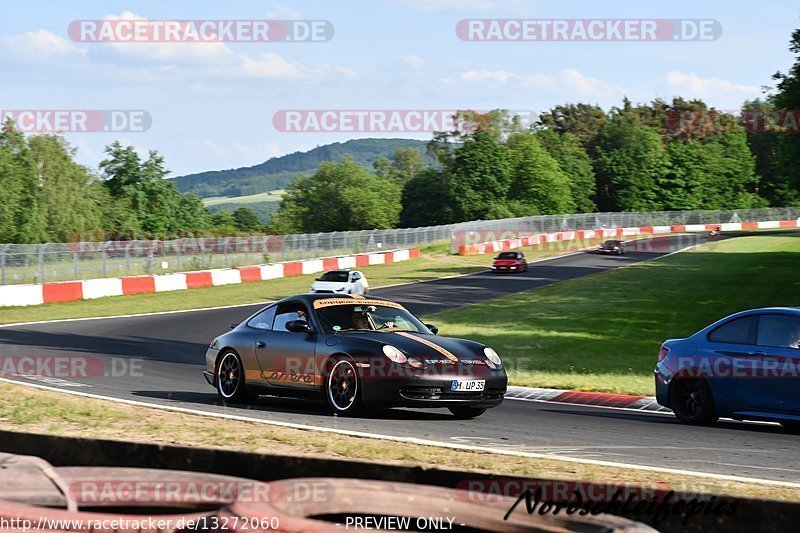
x: 68, y: 291
x: 543, y: 238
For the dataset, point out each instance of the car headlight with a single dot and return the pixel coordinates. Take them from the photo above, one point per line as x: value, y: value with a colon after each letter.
x: 394, y: 354
x: 492, y: 356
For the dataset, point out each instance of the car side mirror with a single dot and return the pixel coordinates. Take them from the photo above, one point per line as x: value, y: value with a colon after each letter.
x: 433, y: 328
x: 298, y: 326
x: 233, y: 326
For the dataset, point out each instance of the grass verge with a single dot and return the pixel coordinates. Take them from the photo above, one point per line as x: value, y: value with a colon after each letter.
x: 602, y: 332
x: 434, y: 262
x: 37, y: 411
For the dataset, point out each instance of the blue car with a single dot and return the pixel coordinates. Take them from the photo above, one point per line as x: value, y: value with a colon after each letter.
x: 745, y: 366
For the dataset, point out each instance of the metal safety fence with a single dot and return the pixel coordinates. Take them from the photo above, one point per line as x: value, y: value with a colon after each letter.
x: 39, y: 263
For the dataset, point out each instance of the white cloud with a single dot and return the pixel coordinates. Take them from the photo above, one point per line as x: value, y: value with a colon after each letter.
x: 213, y: 60
x: 459, y: 5
x: 693, y: 86
x: 207, y: 52
x: 282, y: 12
x: 41, y: 46
x: 564, y: 79
x: 272, y: 66
x: 414, y: 61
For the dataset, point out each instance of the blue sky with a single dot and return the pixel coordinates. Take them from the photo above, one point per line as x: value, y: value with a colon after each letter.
x: 212, y: 104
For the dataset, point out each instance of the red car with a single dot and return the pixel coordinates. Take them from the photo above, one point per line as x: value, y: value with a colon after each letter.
x: 510, y: 262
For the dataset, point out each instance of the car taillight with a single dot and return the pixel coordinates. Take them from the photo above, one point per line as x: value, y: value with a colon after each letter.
x: 662, y: 353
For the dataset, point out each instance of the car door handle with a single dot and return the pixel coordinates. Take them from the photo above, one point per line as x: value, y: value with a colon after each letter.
x: 261, y: 344
x: 756, y: 352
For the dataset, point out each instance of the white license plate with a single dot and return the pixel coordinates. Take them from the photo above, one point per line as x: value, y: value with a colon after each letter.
x: 467, y: 385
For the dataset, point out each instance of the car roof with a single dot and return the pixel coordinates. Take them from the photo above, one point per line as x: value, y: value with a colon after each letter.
x: 791, y: 310
x: 760, y: 310
x: 309, y: 298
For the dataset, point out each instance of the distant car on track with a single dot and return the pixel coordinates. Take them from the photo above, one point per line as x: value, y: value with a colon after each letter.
x: 745, y: 366
x: 612, y: 247
x: 353, y: 351
x: 510, y: 262
x: 341, y: 282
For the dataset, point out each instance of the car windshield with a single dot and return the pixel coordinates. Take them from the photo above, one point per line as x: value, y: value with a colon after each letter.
x: 360, y: 317
x: 340, y: 276
x: 507, y: 255
x: 611, y: 243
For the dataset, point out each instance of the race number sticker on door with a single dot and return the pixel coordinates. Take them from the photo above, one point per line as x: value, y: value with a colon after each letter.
x: 467, y: 385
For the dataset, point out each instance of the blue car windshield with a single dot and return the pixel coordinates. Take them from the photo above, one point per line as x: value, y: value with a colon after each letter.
x: 359, y: 317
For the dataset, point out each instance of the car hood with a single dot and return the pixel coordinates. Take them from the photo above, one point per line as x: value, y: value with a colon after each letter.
x: 328, y: 285
x: 505, y: 262
x: 429, y: 347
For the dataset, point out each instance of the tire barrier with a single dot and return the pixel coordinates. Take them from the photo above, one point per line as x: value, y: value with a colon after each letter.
x: 751, y: 514
x: 34, y: 496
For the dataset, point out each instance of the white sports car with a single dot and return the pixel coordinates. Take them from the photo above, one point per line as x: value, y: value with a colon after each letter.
x: 341, y: 282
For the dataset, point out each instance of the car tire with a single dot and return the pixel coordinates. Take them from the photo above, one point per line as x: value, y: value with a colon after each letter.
x: 341, y: 380
x: 466, y: 412
x: 230, y: 383
x: 692, y: 402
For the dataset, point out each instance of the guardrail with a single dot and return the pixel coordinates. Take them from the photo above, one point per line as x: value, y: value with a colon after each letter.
x: 68, y: 291
x: 519, y: 241
x: 40, y: 263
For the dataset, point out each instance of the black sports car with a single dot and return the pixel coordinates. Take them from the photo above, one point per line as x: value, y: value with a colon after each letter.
x: 354, y: 351
x: 612, y: 247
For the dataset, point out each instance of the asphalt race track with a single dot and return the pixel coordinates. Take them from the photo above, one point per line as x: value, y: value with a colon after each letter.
x: 171, y: 348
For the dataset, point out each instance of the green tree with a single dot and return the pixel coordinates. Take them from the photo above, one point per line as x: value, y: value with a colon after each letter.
x: 630, y: 162
x: 479, y: 177
x: 782, y: 173
x: 575, y: 163
x: 585, y: 121
x: 224, y: 222
x: 338, y: 197
x: 427, y: 200
x: 406, y: 166
x: 22, y: 219
x: 191, y: 214
x: 156, y: 202
x: 68, y: 197
x: 246, y: 220
x: 538, y: 185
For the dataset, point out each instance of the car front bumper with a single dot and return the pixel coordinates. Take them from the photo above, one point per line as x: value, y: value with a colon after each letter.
x: 211, y: 360
x: 426, y: 388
